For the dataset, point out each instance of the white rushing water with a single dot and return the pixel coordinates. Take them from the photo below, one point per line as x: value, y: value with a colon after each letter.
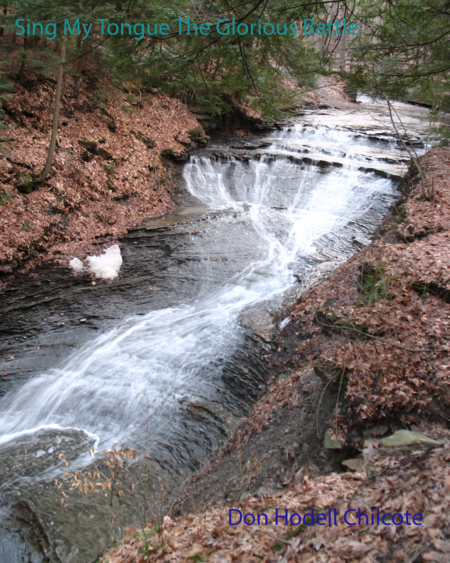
x: 133, y: 377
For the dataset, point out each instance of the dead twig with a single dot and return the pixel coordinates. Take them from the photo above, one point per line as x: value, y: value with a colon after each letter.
x: 416, y: 555
x: 276, y: 537
x: 371, y: 336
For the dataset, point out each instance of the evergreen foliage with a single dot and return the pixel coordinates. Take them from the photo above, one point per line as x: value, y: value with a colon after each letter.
x: 216, y: 71
x: 5, y: 91
x: 404, y: 50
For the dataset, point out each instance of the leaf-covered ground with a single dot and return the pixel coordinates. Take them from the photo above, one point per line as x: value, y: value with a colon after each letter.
x: 414, y: 479
x: 85, y: 202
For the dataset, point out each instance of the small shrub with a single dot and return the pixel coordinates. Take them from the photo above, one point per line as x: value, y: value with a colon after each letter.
x: 400, y: 213
x: 197, y: 558
x: 373, y: 283
x: 110, y: 168
x: 5, y: 196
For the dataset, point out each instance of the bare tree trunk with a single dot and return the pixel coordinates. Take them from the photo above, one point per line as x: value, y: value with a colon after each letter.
x: 412, y: 153
x: 51, y: 151
x: 5, y: 12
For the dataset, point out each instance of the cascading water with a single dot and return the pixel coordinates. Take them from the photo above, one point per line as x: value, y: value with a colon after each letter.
x: 277, y: 217
x: 134, y: 375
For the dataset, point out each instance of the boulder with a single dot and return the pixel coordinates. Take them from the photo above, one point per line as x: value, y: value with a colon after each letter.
x: 175, y: 154
x: 330, y: 444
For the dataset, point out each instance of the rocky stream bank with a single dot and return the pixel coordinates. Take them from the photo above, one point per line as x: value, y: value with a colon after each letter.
x: 361, y: 356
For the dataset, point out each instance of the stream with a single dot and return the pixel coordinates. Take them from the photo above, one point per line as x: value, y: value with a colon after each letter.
x: 169, y: 358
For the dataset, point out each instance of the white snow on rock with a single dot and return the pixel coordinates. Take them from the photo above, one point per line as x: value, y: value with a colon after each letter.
x: 105, y: 266
x: 76, y: 264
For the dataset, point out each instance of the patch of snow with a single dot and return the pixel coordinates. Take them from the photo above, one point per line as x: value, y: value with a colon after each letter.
x: 76, y: 264
x: 107, y: 265
x: 283, y: 323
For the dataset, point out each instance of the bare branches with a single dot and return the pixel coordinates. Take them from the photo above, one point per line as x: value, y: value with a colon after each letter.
x: 427, y: 193
x: 365, y: 334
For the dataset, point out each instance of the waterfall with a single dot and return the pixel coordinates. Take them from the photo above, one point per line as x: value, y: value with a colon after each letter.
x: 276, y: 216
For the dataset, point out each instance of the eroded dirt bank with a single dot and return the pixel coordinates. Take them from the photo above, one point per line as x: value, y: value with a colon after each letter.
x: 363, y: 356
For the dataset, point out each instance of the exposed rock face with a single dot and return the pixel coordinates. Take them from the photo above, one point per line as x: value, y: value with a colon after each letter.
x: 260, y: 322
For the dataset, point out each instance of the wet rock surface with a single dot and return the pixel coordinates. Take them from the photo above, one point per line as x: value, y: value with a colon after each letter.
x: 48, y: 315
x: 33, y: 454
x: 23, y: 539
x: 269, y: 459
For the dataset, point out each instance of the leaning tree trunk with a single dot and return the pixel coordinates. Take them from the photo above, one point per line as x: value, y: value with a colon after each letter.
x: 51, y: 150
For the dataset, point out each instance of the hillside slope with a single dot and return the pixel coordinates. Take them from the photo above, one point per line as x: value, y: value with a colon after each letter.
x: 107, y: 174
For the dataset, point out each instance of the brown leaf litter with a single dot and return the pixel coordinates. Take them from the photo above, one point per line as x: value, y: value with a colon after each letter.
x: 381, y: 322
x: 414, y: 479
x: 90, y: 199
